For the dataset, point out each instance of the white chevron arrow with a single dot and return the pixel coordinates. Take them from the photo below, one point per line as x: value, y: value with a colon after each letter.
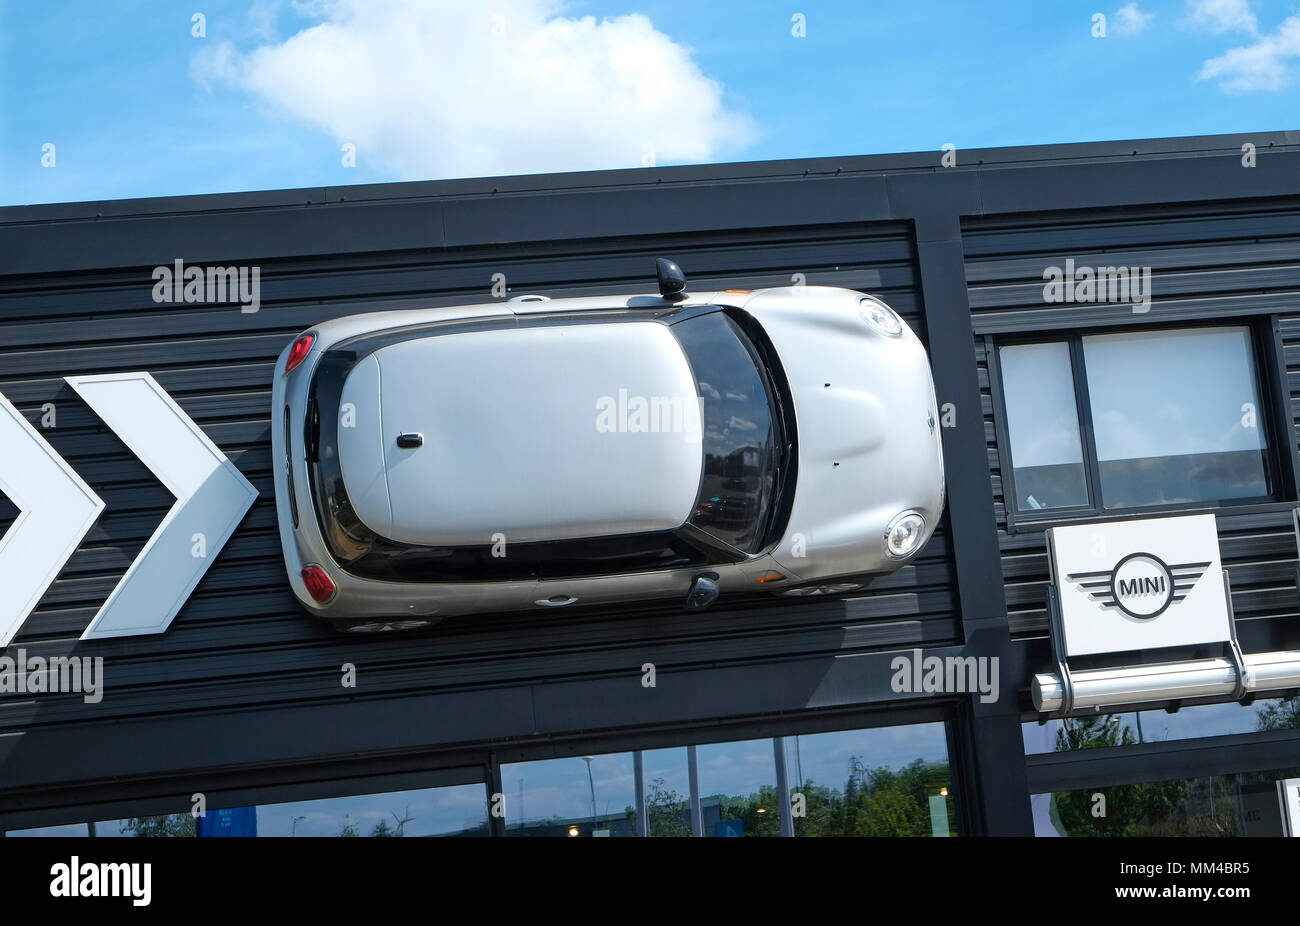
x: 212, y: 497
x: 56, y: 512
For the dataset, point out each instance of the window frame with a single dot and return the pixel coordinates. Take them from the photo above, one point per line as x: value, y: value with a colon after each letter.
x: 1272, y: 416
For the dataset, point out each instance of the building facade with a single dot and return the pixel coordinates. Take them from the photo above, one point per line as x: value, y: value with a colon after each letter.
x: 1061, y: 404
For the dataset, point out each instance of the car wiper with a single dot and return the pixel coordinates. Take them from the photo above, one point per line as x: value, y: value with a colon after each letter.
x: 778, y: 494
x: 313, y: 432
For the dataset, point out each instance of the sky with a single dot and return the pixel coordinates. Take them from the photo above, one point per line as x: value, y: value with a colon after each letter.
x: 151, y: 98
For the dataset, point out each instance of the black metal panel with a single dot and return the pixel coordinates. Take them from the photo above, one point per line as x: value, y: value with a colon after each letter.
x: 557, y: 208
x: 243, y: 691
x: 1209, y: 262
x: 994, y: 729
x: 242, y: 664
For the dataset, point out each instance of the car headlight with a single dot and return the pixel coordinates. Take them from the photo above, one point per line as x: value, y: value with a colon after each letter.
x: 880, y: 316
x: 903, y: 535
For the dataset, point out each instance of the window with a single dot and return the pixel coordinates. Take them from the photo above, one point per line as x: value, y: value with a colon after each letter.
x: 741, y: 434
x: 880, y: 781
x: 171, y: 824
x: 1158, y: 725
x: 1243, y: 804
x: 738, y: 795
x: 1133, y: 420
x: 575, y: 796
x: 668, y: 791
x: 886, y: 781
x: 1045, y: 443
x: 454, y: 810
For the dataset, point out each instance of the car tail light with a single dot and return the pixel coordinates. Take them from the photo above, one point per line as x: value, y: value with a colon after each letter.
x: 319, y: 585
x: 298, y: 353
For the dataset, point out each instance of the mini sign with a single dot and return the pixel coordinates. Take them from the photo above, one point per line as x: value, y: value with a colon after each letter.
x: 1144, y: 584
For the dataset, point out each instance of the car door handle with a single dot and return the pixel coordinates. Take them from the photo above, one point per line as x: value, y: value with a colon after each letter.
x: 556, y: 601
x: 410, y: 441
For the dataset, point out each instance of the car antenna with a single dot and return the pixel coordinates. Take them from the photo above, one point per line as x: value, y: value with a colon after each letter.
x: 672, y: 282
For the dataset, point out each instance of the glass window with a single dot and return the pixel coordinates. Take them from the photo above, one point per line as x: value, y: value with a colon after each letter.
x: 742, y: 446
x: 575, y: 796
x: 1043, y: 422
x: 1245, y: 804
x: 1173, y: 417
x: 738, y: 795
x: 1176, y: 416
x: 882, y: 781
x: 457, y: 810
x: 876, y: 782
x: 62, y: 829
x: 1157, y: 726
x: 667, y: 791
x: 172, y: 824
x: 888, y: 781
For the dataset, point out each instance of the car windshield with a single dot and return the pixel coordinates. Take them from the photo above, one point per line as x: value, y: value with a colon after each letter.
x: 742, y: 443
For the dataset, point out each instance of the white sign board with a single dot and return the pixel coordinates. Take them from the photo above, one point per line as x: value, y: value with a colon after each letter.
x: 1288, y: 791
x: 1142, y: 584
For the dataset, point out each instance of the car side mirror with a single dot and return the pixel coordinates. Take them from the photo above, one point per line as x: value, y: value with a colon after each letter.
x: 704, y: 591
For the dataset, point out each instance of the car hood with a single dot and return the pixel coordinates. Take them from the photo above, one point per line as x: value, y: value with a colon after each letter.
x: 547, y: 432
x: 868, y: 444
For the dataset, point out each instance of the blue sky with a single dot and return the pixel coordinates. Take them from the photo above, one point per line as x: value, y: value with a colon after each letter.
x: 135, y: 105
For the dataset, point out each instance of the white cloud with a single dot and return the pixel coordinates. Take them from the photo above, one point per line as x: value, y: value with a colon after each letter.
x: 1224, y: 15
x: 262, y: 18
x: 1263, y: 65
x: 1130, y: 20
x: 448, y: 89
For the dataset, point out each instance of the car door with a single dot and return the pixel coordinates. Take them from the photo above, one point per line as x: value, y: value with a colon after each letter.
x: 453, y: 598
x: 627, y: 569
x: 629, y: 587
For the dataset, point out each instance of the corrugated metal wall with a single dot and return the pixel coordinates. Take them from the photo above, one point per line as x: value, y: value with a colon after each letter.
x: 242, y: 641
x: 243, y: 693
x: 1209, y: 263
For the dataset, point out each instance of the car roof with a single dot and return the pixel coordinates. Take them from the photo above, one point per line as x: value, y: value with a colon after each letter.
x: 530, y: 432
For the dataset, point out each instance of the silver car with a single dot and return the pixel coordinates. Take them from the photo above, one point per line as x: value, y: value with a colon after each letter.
x: 552, y: 453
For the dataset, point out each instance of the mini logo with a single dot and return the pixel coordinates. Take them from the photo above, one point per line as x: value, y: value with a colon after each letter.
x: 1142, y: 585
